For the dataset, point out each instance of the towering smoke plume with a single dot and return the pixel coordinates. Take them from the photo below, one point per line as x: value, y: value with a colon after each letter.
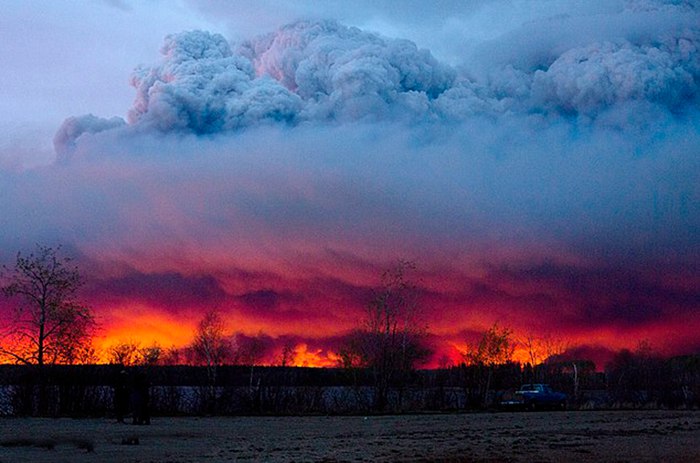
x: 323, y: 71
x: 304, y: 71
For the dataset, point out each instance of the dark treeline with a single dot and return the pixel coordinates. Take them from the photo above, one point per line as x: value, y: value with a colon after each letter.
x: 631, y: 380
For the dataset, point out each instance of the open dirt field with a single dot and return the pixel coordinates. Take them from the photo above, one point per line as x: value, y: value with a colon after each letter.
x: 622, y: 436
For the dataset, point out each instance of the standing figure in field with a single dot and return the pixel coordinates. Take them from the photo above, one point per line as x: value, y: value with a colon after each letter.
x: 121, y: 396
x: 140, y: 398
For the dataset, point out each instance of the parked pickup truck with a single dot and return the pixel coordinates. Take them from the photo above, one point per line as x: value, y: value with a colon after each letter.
x: 535, y: 396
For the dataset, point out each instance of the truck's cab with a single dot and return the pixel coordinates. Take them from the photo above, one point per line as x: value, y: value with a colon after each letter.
x: 533, y: 396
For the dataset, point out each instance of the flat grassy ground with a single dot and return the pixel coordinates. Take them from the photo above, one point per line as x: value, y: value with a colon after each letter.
x: 612, y: 436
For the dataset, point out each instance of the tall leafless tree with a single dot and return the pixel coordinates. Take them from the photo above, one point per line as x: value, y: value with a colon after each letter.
x: 211, y: 348
x: 49, y: 324
x: 391, y: 340
x: 542, y: 350
x: 248, y: 351
x: 288, y: 354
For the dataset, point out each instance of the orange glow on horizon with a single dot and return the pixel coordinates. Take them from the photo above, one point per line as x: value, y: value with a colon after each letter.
x: 148, y: 328
x: 315, y: 342
x: 316, y: 358
x: 143, y: 328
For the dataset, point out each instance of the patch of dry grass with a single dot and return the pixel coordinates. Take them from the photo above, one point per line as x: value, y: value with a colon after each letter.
x: 631, y: 436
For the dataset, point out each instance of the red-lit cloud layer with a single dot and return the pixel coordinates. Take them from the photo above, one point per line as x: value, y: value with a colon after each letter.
x: 555, y: 191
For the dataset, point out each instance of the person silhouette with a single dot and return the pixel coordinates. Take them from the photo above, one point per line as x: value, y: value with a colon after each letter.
x: 140, y: 399
x: 121, y: 396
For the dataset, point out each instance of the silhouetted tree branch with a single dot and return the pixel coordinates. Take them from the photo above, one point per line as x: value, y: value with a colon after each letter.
x: 49, y: 325
x: 391, y: 339
x: 495, y: 347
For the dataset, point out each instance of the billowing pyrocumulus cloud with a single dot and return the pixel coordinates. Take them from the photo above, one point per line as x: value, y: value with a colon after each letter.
x: 548, y: 182
x: 313, y: 71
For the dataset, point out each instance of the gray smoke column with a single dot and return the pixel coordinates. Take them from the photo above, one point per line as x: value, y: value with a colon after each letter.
x: 202, y: 87
x: 304, y: 71
x: 344, y: 73
x: 583, y: 80
x: 322, y: 71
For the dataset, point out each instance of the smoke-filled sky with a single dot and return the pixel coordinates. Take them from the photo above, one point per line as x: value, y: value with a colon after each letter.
x: 538, y: 161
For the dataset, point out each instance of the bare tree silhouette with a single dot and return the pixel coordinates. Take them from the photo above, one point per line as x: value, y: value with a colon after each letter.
x: 210, y: 348
x: 131, y: 353
x: 391, y: 340
x: 50, y: 325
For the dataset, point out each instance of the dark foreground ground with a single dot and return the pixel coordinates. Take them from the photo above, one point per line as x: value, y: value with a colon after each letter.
x: 621, y: 436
